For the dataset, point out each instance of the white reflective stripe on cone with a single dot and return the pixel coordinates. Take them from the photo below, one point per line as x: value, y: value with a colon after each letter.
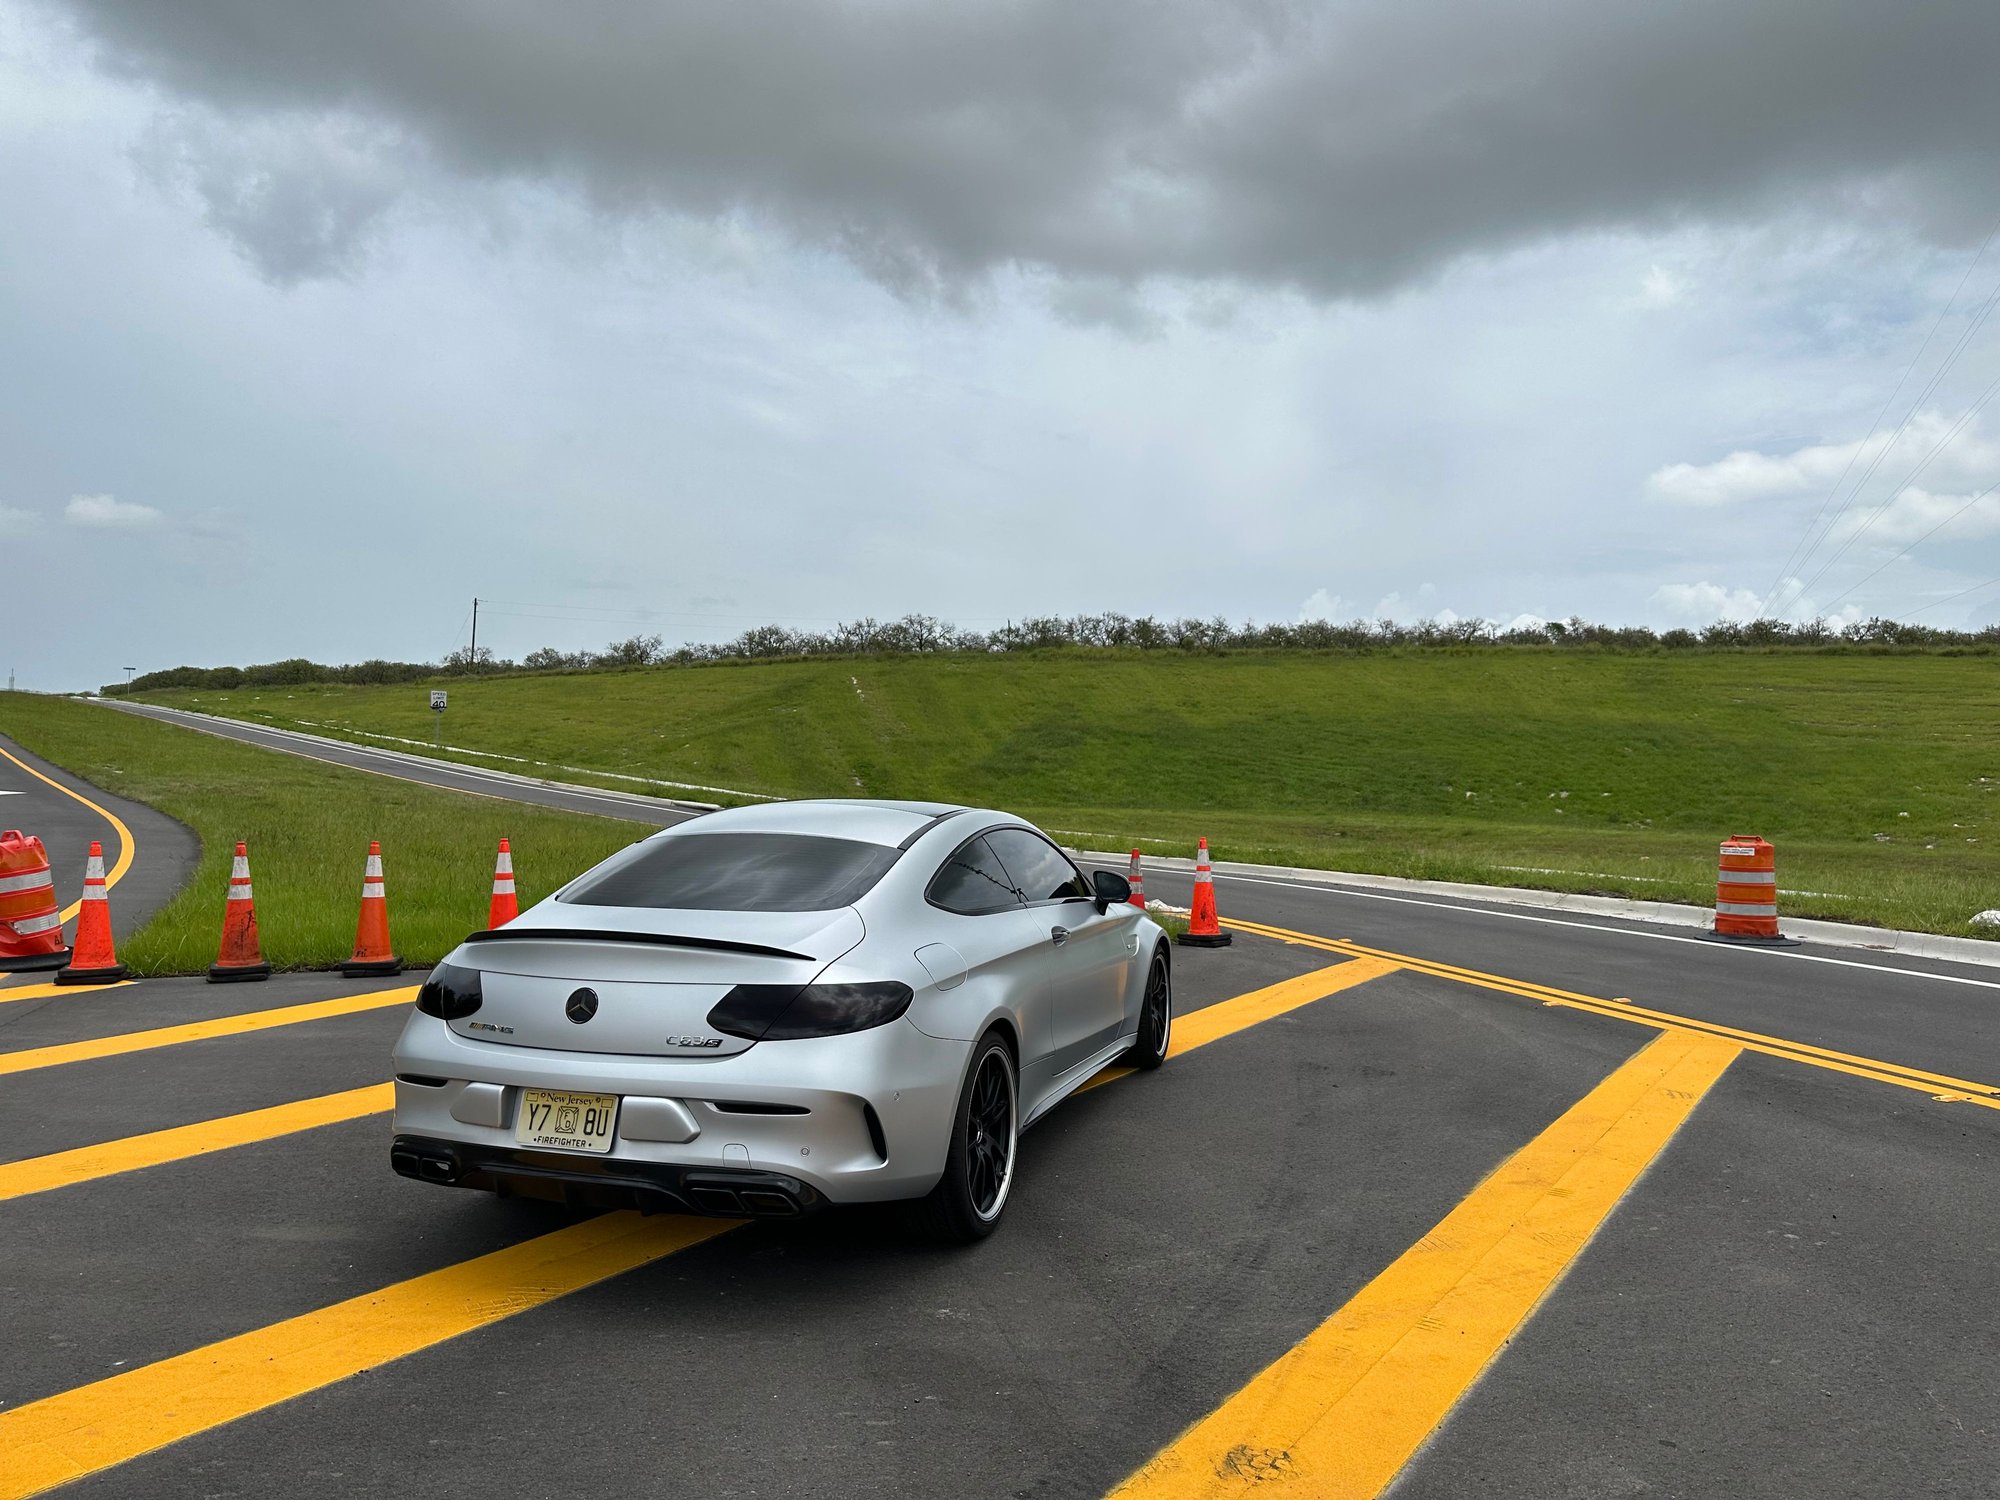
x: 504, y: 865
x: 240, y: 892
x: 503, y: 887
x: 94, y: 868
x: 29, y: 926
x: 40, y: 879
x: 239, y: 867
x: 1745, y: 909
x: 1727, y: 876
x: 371, y: 888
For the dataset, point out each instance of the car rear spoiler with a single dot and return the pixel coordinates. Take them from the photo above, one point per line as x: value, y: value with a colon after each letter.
x: 607, y: 935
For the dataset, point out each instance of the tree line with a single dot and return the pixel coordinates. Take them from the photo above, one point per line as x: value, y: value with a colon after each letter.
x: 924, y: 635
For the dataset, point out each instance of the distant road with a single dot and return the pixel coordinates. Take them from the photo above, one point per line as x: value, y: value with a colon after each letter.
x: 426, y: 770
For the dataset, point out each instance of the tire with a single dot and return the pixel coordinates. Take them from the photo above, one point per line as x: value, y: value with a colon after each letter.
x: 968, y: 1200
x: 1156, y: 1018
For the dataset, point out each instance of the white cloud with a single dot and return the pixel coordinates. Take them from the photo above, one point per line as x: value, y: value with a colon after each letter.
x: 1524, y: 622
x: 1861, y: 471
x: 107, y: 513
x: 1660, y: 288
x: 1914, y: 512
x: 1704, y: 603
x: 1325, y: 606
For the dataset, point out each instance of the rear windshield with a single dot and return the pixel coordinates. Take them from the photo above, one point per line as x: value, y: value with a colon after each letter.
x: 740, y: 872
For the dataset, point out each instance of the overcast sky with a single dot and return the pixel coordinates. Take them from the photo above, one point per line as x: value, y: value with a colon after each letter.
x: 316, y: 320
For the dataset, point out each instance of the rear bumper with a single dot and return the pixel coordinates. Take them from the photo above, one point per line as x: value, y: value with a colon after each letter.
x: 850, y: 1119
x: 605, y: 1181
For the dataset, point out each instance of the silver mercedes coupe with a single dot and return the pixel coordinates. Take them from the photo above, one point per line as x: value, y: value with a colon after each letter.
x: 763, y: 1011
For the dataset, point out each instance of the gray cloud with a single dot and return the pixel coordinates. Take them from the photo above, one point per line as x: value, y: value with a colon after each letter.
x: 1340, y: 151
x: 300, y: 196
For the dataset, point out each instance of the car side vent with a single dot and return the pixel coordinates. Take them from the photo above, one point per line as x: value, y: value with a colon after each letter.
x: 750, y: 1107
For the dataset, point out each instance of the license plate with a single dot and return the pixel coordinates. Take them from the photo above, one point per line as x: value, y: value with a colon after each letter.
x: 559, y: 1121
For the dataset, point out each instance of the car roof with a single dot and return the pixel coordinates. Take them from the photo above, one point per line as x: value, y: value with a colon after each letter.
x: 869, y: 822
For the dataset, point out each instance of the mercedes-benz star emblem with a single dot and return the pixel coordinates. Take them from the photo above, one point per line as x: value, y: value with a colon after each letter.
x: 581, y: 1005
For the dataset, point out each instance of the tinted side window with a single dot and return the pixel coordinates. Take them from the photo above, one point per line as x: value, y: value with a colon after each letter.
x: 740, y: 872
x: 972, y: 883
x: 1039, y: 869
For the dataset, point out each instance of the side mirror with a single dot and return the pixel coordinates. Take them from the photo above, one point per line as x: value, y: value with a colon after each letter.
x: 1112, y: 889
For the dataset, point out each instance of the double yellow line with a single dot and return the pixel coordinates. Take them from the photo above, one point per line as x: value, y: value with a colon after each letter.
x: 1939, y: 1086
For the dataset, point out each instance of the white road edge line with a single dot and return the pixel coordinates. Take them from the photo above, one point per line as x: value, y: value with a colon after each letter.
x: 1658, y: 937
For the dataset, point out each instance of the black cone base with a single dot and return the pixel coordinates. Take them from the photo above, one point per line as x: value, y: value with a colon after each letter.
x: 1212, y: 940
x: 355, y: 967
x: 109, y: 975
x: 1750, y: 942
x: 238, y: 973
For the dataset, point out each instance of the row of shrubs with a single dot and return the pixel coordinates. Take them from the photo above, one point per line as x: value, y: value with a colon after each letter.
x: 926, y: 635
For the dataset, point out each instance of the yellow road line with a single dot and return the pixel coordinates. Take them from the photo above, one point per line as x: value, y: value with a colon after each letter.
x: 197, y: 1031
x: 126, y: 847
x: 43, y: 991
x: 1341, y: 1414
x: 108, y: 1422
x: 93, y: 1427
x: 61, y: 1169
x: 1940, y: 1086
x: 1227, y: 1017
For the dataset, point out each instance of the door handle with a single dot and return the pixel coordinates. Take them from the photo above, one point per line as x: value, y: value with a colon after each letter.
x: 1058, y: 935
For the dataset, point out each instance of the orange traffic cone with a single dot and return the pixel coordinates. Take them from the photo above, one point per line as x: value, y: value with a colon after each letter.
x: 373, y: 953
x: 95, y: 960
x: 1137, y: 880
x: 240, y: 957
x: 503, y: 908
x: 1204, y: 931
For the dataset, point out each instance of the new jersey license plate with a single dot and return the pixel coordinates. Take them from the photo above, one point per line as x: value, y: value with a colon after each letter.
x: 559, y: 1121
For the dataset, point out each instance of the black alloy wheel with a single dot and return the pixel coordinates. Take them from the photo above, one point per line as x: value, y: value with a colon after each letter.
x: 1156, y: 1018
x: 979, y: 1162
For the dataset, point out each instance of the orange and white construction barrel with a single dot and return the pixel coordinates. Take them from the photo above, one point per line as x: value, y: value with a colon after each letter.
x: 31, y: 935
x: 1746, y: 890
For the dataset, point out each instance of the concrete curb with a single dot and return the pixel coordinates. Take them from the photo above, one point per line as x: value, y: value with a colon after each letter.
x: 1659, y: 913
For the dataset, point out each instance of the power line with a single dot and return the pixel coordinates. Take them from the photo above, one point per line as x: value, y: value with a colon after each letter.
x: 1951, y: 358
x: 1948, y: 598
x: 1897, y: 489
x: 1887, y: 402
x: 1917, y: 543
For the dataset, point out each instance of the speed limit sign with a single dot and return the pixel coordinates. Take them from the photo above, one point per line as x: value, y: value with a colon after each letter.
x: 437, y: 700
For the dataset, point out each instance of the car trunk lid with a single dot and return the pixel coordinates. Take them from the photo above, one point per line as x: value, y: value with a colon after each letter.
x: 614, y: 980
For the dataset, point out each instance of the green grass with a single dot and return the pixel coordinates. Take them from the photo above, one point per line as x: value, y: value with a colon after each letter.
x: 308, y: 827
x: 1877, y: 776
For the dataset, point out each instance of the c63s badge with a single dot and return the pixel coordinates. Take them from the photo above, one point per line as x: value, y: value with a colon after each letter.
x: 694, y: 1041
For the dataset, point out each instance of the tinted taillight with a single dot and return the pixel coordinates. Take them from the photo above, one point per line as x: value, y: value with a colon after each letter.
x: 787, y: 1012
x: 450, y: 993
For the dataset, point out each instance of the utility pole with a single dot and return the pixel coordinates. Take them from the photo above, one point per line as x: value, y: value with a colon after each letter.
x: 473, y: 664
x: 128, y: 675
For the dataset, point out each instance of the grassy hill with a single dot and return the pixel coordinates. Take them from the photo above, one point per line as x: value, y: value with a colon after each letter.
x: 1877, y: 776
x: 308, y: 825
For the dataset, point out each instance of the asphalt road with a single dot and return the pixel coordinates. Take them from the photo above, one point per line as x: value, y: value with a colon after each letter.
x: 1785, y: 1288
x: 66, y: 827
